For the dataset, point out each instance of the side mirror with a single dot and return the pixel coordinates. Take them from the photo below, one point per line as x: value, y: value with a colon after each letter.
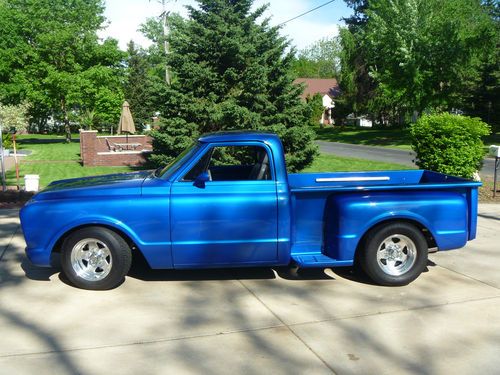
x: 201, y: 179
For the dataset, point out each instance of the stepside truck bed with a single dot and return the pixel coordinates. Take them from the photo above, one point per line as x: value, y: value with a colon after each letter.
x: 331, y: 212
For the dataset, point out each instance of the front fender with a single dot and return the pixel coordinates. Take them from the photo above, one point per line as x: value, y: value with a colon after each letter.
x: 144, y: 220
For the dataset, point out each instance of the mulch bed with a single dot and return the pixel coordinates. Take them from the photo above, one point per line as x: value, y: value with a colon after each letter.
x: 13, y: 198
x: 486, y: 192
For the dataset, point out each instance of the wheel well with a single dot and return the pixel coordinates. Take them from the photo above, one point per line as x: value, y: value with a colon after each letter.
x: 58, y: 245
x: 431, y: 242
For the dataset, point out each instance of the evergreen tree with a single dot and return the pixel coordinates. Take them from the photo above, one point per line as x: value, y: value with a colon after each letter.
x: 231, y: 72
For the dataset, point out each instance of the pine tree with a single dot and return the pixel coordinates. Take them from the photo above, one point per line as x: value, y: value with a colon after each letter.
x: 231, y: 72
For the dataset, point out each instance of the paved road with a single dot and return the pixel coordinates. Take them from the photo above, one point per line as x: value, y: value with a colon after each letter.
x: 254, y: 321
x: 388, y: 155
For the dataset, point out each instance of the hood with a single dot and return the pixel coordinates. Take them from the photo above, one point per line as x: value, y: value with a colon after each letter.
x: 95, y: 186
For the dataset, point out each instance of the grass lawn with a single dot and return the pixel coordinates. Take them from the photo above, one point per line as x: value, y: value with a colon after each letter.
x: 394, y: 138
x: 333, y: 163
x: 54, y: 159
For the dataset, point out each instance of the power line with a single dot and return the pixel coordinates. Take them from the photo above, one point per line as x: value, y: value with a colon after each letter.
x: 309, y: 11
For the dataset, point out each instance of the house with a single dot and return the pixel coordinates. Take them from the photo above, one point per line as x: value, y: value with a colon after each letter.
x: 328, y: 88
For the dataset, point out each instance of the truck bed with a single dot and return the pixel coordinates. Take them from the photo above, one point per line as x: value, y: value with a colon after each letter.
x: 379, y: 180
x: 333, y: 211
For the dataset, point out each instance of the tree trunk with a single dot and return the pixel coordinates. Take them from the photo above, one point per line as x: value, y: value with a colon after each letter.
x: 67, y: 128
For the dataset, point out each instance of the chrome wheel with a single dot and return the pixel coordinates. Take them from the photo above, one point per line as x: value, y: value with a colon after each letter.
x: 91, y: 259
x: 396, y: 254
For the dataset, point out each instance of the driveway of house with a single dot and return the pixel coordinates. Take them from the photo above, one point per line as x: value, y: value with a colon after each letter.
x: 255, y: 321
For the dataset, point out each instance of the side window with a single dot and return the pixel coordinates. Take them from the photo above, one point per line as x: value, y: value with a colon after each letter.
x: 233, y: 163
x: 199, y: 167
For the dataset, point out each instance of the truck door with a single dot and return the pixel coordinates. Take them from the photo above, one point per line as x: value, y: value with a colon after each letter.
x: 224, y: 208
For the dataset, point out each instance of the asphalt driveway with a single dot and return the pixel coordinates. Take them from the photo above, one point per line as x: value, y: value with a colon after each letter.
x: 254, y: 321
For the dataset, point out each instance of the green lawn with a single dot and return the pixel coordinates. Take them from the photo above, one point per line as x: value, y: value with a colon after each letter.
x: 333, y: 163
x: 54, y: 159
x: 395, y: 138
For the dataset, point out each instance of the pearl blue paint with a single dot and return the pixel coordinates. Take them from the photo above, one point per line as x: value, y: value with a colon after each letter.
x: 292, y: 217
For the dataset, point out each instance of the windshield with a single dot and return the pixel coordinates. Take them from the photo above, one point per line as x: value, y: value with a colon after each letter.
x: 178, y: 162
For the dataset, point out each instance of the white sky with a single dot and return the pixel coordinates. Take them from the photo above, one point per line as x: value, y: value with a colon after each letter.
x: 125, y: 17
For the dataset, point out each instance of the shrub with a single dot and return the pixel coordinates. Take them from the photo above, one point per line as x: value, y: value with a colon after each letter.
x: 449, y: 143
x: 7, y: 140
x: 315, y: 104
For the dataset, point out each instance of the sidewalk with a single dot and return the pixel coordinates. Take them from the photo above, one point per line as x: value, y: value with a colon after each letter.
x: 254, y: 321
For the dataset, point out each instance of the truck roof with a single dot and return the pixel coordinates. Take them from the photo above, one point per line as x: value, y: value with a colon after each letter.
x: 239, y: 135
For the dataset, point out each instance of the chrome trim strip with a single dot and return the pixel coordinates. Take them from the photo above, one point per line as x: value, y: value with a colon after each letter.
x: 353, y: 179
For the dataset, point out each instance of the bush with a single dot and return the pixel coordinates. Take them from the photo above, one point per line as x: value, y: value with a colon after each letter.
x: 315, y: 104
x: 449, y: 143
x: 7, y: 140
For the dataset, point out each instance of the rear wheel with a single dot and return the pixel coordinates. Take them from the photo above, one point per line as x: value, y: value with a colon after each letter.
x: 95, y: 258
x: 394, y: 254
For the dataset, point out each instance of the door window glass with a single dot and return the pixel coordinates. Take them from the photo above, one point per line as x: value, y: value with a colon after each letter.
x: 233, y: 163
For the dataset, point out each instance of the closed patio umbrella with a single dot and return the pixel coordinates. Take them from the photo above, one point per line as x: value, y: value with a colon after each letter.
x: 126, y: 121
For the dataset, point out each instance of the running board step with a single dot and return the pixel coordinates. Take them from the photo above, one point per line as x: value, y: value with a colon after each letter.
x: 318, y: 260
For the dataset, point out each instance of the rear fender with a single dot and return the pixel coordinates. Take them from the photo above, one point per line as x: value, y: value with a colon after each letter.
x: 349, y: 217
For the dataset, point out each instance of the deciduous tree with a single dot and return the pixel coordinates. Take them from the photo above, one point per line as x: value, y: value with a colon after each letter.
x: 50, y: 54
x: 319, y: 60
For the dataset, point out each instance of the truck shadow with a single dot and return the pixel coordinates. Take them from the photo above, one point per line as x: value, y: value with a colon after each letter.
x: 357, y: 275
x: 140, y: 270
x: 37, y: 273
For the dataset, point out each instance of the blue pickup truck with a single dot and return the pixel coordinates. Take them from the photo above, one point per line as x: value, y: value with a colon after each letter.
x: 227, y: 201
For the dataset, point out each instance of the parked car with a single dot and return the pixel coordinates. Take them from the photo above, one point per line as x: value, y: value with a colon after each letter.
x: 227, y: 201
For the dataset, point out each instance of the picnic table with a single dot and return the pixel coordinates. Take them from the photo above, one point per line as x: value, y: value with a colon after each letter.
x: 127, y: 146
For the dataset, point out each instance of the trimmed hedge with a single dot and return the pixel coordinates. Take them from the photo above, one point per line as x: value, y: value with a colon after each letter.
x: 449, y: 143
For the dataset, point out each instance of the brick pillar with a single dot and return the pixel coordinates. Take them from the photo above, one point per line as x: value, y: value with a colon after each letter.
x: 88, y: 147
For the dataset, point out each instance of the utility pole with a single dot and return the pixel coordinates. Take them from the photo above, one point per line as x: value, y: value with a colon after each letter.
x: 166, y: 31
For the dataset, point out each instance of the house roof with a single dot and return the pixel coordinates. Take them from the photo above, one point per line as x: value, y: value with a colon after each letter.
x: 323, y: 86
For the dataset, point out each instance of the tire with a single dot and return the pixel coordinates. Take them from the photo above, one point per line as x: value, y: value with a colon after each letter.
x: 394, y: 254
x: 95, y: 258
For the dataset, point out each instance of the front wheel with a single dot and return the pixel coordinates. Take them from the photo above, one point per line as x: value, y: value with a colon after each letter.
x: 95, y: 258
x: 394, y: 254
